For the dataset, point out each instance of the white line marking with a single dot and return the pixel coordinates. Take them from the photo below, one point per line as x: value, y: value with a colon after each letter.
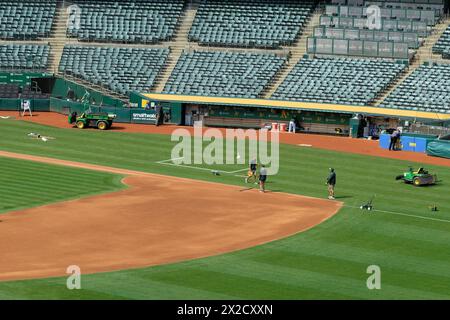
x: 405, y: 214
x: 187, y: 166
x: 162, y: 161
x: 236, y: 171
x: 193, y: 167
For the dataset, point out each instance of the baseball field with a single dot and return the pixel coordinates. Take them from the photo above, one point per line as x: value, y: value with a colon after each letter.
x: 195, y: 235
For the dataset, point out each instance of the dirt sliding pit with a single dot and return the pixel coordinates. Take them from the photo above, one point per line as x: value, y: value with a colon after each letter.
x: 156, y: 220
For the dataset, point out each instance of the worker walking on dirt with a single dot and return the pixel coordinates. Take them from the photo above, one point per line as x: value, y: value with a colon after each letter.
x: 331, y: 182
x: 262, y: 178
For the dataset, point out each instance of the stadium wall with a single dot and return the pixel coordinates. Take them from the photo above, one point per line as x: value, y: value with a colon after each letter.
x: 311, y: 117
x: 22, y: 78
x: 14, y: 104
x: 61, y: 86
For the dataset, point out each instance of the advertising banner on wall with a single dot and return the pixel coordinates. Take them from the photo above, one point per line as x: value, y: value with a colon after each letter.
x: 21, y: 78
x: 143, y: 116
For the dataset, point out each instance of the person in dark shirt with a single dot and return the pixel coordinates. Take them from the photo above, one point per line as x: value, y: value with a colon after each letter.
x: 262, y: 178
x: 394, y: 139
x: 159, y: 115
x: 331, y: 182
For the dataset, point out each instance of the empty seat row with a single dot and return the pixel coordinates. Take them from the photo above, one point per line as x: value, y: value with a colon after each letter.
x: 24, y: 56
x: 442, y: 46
x: 338, y: 80
x: 119, y: 69
x: 240, y: 23
x: 223, y: 74
x: 429, y: 15
x: 426, y: 89
x: 26, y: 19
x: 126, y: 21
x: 8, y: 90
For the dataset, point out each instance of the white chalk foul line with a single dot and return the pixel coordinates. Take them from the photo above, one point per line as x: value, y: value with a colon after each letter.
x: 166, y: 162
x: 236, y: 171
x: 405, y: 214
x: 162, y: 161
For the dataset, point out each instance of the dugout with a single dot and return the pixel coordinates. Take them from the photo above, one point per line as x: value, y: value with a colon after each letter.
x: 349, y: 120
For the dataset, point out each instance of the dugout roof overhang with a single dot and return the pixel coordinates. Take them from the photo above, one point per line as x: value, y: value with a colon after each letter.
x: 304, y: 106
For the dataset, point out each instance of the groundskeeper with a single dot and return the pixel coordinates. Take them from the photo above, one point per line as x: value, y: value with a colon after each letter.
x: 331, y: 182
x: 251, y: 175
x: 262, y: 178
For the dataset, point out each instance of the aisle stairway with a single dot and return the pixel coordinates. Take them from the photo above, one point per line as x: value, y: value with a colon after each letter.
x: 424, y: 53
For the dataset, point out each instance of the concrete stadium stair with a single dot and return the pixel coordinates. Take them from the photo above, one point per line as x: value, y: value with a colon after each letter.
x: 177, y: 45
x: 58, y: 36
x: 424, y: 53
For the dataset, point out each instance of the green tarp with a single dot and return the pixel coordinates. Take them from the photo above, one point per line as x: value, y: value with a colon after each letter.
x: 439, y: 148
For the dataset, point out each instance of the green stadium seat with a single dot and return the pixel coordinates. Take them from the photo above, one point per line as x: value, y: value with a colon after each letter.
x: 338, y: 80
x: 240, y: 23
x: 426, y: 89
x: 24, y: 56
x: 26, y: 19
x: 127, y: 21
x: 223, y: 74
x: 117, y: 68
x: 442, y: 46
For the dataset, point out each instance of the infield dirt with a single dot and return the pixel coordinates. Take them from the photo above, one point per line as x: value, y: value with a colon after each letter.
x: 156, y: 220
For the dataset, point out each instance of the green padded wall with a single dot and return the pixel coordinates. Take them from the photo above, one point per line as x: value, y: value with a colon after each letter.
x: 61, y: 86
x: 14, y: 104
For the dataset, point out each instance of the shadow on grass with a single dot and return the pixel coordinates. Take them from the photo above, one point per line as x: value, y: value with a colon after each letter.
x: 343, y: 197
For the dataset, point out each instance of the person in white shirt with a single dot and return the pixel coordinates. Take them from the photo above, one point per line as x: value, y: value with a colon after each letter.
x: 26, y: 106
x: 262, y: 178
x: 292, y: 125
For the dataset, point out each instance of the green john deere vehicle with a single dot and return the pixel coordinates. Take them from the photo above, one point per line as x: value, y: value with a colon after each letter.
x: 101, y: 120
x: 420, y: 177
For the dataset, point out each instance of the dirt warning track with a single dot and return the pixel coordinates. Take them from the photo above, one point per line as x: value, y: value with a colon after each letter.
x: 339, y: 144
x: 156, y: 220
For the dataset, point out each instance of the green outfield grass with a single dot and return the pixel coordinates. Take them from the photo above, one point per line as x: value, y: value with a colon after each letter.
x: 407, y: 240
x: 25, y: 184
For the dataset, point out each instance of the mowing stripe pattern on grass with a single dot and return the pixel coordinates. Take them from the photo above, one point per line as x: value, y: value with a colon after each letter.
x: 328, y: 261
